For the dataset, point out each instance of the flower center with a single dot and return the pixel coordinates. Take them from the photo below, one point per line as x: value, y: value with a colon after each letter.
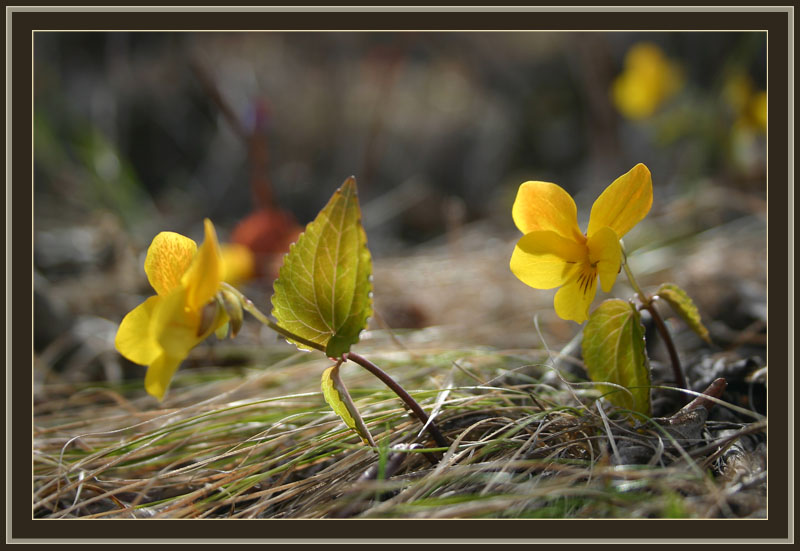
x: 587, y: 278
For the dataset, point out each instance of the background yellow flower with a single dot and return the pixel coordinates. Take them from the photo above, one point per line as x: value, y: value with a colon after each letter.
x: 648, y: 80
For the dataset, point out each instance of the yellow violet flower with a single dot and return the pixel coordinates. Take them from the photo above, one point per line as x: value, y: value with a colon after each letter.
x: 554, y: 253
x: 649, y: 79
x: 160, y: 332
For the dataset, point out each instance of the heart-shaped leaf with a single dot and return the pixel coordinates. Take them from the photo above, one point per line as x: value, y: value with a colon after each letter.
x: 614, y: 352
x: 323, y: 290
x: 683, y: 305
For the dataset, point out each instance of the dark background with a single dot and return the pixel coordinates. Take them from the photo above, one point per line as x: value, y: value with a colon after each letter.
x: 429, y: 123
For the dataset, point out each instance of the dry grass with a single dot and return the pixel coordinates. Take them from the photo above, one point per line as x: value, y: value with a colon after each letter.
x: 248, y: 434
x: 233, y: 445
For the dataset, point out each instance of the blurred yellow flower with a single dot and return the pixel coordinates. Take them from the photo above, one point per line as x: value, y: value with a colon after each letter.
x: 239, y: 263
x: 554, y: 253
x: 749, y: 106
x: 649, y: 79
x: 160, y: 332
x: 758, y: 109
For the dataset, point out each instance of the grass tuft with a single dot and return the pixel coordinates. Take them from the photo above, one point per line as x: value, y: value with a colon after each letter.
x: 260, y: 442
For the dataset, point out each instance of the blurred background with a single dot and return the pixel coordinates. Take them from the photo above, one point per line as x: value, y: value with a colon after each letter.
x: 136, y: 133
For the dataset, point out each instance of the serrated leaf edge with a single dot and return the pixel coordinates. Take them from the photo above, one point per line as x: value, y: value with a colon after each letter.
x: 328, y: 336
x: 695, y: 324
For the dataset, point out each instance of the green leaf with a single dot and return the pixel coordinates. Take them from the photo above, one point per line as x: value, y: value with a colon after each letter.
x: 338, y: 398
x: 614, y: 352
x: 323, y: 290
x: 684, y: 307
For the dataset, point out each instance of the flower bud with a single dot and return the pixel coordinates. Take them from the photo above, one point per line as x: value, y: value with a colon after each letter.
x: 208, y: 315
x: 233, y: 306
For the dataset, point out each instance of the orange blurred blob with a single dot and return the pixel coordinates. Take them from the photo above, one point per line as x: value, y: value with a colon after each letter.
x: 267, y: 232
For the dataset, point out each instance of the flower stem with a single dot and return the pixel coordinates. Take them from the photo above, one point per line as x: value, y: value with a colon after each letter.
x: 673, y: 353
x: 248, y: 305
x: 661, y: 327
x: 645, y: 299
x: 402, y: 394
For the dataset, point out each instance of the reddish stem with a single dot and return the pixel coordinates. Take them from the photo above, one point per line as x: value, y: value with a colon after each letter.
x: 401, y: 392
x: 661, y: 327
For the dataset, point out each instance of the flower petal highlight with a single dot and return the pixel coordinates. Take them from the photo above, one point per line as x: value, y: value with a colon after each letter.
x: 624, y: 203
x: 168, y: 257
x: 203, y: 278
x: 543, y: 206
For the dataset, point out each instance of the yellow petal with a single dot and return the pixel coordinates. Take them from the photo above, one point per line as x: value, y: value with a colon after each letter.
x: 169, y: 256
x: 544, y: 259
x: 542, y: 206
x: 134, y: 338
x: 204, y: 276
x: 605, y: 254
x: 159, y: 375
x: 175, y: 326
x: 238, y: 263
x: 624, y: 203
x: 572, y: 300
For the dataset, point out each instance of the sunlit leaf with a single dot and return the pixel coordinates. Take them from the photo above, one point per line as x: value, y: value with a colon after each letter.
x: 684, y: 307
x: 614, y: 352
x: 323, y: 290
x: 338, y: 398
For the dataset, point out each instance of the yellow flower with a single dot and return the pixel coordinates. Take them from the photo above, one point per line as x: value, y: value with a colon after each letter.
x: 554, y: 253
x: 160, y: 332
x: 749, y: 105
x: 239, y: 263
x: 648, y: 80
